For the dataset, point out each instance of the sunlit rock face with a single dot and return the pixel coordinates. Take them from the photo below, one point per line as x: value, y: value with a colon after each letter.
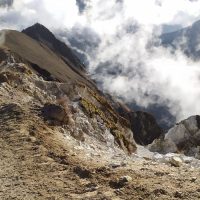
x: 184, y: 137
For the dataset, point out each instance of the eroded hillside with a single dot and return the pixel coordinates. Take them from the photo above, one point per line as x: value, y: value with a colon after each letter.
x: 61, y: 139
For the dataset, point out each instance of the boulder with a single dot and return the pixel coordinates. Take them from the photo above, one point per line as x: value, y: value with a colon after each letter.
x: 55, y: 112
x: 176, y: 161
x: 3, y: 78
x: 121, y: 182
x: 184, y: 138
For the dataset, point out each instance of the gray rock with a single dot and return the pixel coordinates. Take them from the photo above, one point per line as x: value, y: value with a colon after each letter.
x: 184, y: 137
x: 176, y: 161
x: 125, y: 179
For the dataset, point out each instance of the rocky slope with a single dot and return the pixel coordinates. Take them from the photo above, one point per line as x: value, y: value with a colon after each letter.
x: 61, y: 139
x: 145, y: 130
x: 78, y: 86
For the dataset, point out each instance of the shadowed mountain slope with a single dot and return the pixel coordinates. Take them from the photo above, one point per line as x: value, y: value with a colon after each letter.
x: 40, y: 55
x: 43, y: 35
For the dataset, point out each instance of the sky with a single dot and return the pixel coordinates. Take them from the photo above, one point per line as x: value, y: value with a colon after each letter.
x: 115, y: 36
x: 95, y: 13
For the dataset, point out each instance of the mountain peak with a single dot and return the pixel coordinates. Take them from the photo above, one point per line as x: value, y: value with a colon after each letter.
x: 39, y: 27
x: 38, y: 24
x: 39, y: 32
x: 43, y: 35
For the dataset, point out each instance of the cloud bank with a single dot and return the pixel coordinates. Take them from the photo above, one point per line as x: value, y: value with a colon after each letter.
x: 116, y: 36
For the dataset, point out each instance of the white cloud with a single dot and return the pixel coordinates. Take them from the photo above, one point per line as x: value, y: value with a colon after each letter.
x: 102, y: 15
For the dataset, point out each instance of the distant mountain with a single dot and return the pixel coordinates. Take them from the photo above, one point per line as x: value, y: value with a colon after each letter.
x: 6, y: 3
x: 186, y: 39
x: 166, y: 28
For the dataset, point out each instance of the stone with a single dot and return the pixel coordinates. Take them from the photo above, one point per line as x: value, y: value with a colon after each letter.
x: 121, y: 182
x: 90, y: 187
x: 82, y: 172
x: 55, y: 112
x: 78, y: 134
x: 3, y: 78
x: 183, y: 137
x: 193, y: 179
x: 176, y: 161
x: 178, y: 194
x: 158, y: 157
x: 115, y: 165
x: 125, y: 179
x: 109, y: 138
x: 187, y: 160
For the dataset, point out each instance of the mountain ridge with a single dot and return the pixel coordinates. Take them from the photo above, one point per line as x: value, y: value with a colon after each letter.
x: 41, y: 34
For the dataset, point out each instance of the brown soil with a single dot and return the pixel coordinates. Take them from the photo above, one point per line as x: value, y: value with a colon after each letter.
x: 37, y: 163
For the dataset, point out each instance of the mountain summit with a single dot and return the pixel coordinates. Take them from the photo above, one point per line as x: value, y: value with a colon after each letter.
x: 43, y: 35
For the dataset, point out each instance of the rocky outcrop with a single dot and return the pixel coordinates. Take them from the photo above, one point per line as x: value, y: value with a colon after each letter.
x: 143, y: 125
x: 184, y: 137
x: 55, y: 112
